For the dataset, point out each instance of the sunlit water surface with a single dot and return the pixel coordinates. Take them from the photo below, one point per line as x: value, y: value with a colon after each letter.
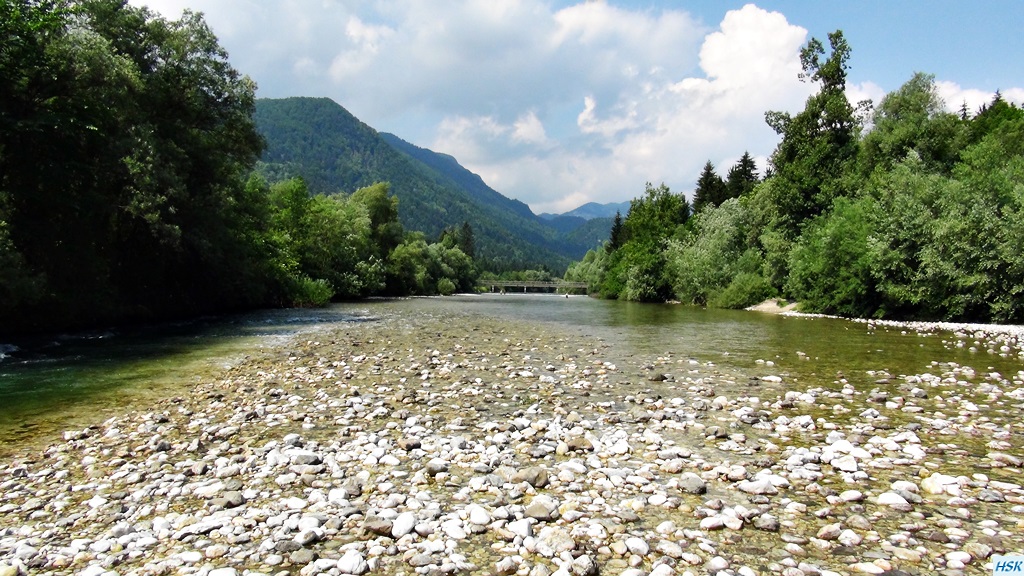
x: 52, y: 384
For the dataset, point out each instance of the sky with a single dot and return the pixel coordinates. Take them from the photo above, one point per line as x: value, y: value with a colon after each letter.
x: 558, y: 103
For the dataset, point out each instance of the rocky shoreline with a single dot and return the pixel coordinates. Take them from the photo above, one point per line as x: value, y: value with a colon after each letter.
x: 397, y: 448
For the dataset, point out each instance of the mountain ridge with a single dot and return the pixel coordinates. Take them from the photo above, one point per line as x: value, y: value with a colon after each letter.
x: 319, y: 140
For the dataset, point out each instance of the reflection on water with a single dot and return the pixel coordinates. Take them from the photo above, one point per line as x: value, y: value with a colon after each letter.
x: 70, y: 379
x: 55, y: 383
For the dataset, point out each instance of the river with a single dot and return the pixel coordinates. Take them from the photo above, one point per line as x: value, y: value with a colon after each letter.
x: 47, y: 385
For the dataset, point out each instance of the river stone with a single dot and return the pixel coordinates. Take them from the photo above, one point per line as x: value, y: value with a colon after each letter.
x: 223, y: 572
x: 579, y: 444
x: 409, y: 443
x: 663, y: 570
x: 302, y: 556
x: 231, y: 499
x: 830, y: 531
x: 846, y: 463
x: 403, y: 524
x: 894, y: 500
x: 851, y: 496
x: 978, y: 550
x: 353, y: 563
x: 377, y: 525
x: 637, y: 546
x: 478, y: 515
x: 988, y: 495
x: 522, y: 528
x: 692, y: 484
x: 767, y: 522
x: 668, y: 548
x: 938, y: 483
x: 534, y: 476
x: 553, y: 540
x: 543, y: 508
x: 758, y: 486
x: 436, y: 466
x: 454, y: 529
x: 849, y: 538
x: 285, y: 546
x: 866, y: 568
x: 419, y: 560
x: 716, y: 564
x: 584, y: 565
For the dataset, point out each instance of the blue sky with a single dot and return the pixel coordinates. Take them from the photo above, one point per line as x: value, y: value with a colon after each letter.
x: 558, y: 103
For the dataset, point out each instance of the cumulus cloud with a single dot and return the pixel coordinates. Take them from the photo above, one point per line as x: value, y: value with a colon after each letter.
x: 555, y: 107
x: 956, y: 96
x: 662, y: 127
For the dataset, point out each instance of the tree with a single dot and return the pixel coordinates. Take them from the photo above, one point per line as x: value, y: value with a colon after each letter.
x: 913, y: 119
x: 636, y: 269
x: 617, y: 232
x: 126, y: 139
x: 742, y: 177
x: 819, y: 144
x: 382, y: 208
x: 710, y: 190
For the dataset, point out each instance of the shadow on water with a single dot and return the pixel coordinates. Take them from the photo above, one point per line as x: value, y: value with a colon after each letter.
x: 49, y: 383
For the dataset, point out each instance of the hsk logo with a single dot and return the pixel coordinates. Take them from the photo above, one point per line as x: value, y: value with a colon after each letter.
x: 1008, y: 565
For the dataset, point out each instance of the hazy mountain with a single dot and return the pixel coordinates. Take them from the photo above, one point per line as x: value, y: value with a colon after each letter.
x: 592, y: 210
x: 319, y: 140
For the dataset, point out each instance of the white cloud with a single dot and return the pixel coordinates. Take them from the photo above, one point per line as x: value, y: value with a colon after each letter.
x: 956, y: 96
x: 659, y: 130
x: 555, y: 107
x: 857, y: 93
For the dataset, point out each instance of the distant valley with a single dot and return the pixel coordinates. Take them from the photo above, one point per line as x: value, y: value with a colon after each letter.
x: 334, y: 151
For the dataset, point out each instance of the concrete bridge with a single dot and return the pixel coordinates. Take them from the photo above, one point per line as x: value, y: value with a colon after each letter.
x: 559, y: 287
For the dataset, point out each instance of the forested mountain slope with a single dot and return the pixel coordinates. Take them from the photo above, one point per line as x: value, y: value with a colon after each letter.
x: 319, y: 140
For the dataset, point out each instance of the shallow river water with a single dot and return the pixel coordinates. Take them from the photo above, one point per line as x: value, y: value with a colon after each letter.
x: 533, y: 435
x: 48, y: 385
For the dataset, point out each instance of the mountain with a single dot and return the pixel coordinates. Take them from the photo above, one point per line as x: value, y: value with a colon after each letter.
x: 468, y: 181
x: 319, y: 140
x: 592, y: 210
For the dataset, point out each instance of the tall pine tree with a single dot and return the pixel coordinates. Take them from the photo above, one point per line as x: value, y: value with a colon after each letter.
x: 742, y: 177
x: 710, y: 189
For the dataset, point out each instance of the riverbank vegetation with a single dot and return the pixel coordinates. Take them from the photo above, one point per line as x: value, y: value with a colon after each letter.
x: 127, y: 146
x: 900, y: 210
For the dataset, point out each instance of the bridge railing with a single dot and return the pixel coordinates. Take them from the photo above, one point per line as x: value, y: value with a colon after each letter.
x: 526, y: 285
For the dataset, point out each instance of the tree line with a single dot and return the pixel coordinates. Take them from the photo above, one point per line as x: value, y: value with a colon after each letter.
x: 127, y: 148
x: 900, y: 210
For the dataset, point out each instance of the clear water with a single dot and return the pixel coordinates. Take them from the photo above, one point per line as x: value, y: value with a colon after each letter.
x: 54, y: 384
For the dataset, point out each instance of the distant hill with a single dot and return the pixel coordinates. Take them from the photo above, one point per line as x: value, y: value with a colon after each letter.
x: 468, y: 181
x: 592, y: 210
x: 319, y: 140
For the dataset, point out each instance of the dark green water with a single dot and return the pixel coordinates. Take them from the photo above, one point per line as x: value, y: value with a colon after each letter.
x: 50, y: 385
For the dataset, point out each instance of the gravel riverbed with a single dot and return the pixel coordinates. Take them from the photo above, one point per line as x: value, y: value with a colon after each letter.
x: 418, y: 446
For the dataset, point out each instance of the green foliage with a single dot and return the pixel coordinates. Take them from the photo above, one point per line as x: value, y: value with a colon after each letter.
x: 591, y: 269
x: 704, y: 262
x: 710, y: 190
x: 125, y: 141
x: 745, y: 289
x: 615, y: 238
x: 912, y: 120
x: 918, y: 218
x: 742, y: 177
x: 831, y: 264
x: 445, y: 287
x: 819, y: 144
x: 636, y: 271
x: 306, y: 292
x: 320, y: 141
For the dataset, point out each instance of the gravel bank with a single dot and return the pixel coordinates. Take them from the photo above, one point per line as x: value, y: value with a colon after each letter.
x: 398, y: 448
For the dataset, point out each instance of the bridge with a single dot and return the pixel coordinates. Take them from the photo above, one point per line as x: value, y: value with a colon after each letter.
x: 559, y: 287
